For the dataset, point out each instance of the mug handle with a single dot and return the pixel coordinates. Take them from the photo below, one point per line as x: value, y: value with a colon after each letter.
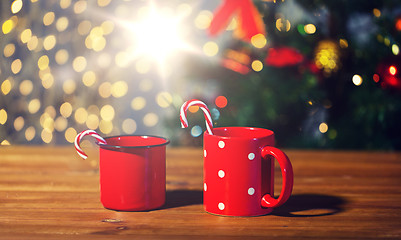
x: 287, y: 174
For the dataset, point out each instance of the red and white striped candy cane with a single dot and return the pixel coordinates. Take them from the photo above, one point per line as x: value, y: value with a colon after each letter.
x: 79, y: 137
x: 206, y: 113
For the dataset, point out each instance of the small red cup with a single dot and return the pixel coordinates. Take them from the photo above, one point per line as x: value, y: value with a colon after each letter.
x: 133, y: 172
x: 239, y: 172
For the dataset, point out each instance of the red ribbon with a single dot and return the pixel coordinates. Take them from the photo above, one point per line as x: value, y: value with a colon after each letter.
x: 250, y: 22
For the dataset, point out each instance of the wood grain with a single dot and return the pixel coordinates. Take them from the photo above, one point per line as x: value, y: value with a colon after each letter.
x: 49, y: 192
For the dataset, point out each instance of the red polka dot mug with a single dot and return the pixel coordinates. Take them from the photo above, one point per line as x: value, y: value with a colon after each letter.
x: 239, y: 172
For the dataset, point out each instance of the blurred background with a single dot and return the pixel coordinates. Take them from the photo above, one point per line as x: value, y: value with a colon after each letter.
x: 321, y: 74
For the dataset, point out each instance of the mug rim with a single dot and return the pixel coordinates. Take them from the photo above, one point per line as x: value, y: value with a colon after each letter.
x: 167, y: 141
x: 269, y: 132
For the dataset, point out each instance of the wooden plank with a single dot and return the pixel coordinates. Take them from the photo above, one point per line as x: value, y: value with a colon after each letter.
x: 49, y: 192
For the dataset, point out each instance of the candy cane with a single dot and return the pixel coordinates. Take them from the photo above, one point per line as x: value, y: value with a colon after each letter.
x: 206, y: 113
x: 83, y: 134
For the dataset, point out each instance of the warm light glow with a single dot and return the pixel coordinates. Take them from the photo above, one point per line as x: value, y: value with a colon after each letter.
x: 16, y: 6
x: 16, y: 66
x: 150, y: 119
x: 3, y: 116
x: 343, y: 43
x: 392, y: 70
x: 327, y: 56
x: 138, y: 103
x: 89, y: 78
x: 80, y: 6
x: 395, y: 49
x: 119, y: 89
x: 81, y: 115
x: 202, y: 21
x: 26, y: 87
x: 105, y: 90
x: 70, y: 134
x: 107, y: 112
x: 8, y: 26
x: 62, y: 24
x: 129, y: 126
x: 310, y: 28
x: 48, y: 18
x: 69, y: 86
x: 19, y: 123
x: 34, y: 106
x: 30, y: 133
x: 65, y: 3
x: 6, y: 86
x: 60, y: 124
x: 323, y: 127
x: 193, y: 109
x: 43, y: 62
x: 164, y: 99
x: 106, y: 126
x: 257, y: 66
x: 259, y: 40
x: 61, y: 56
x: 283, y: 25
x: 376, y: 12
x: 46, y: 135
x: 49, y: 42
x: 5, y: 143
x: 9, y: 50
x: 93, y: 121
x: 158, y: 35
x: 84, y: 27
x: 79, y: 64
x: 26, y: 35
x: 66, y: 109
x: 357, y: 80
x: 210, y: 49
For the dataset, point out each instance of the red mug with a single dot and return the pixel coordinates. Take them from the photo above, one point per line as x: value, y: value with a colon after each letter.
x: 239, y: 172
x: 133, y: 172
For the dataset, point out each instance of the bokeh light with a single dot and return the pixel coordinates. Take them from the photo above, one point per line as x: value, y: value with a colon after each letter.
x: 395, y: 49
x: 150, y: 119
x: 202, y: 21
x: 357, y: 80
x: 257, y: 65
x: 3, y: 116
x: 323, y: 127
x: 259, y: 41
x: 129, y: 126
x: 310, y: 28
x: 221, y: 101
x: 210, y: 49
x: 196, y: 131
x: 392, y: 70
x: 16, y: 6
x: 283, y: 25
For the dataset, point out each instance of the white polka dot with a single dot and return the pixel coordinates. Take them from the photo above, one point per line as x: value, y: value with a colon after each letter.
x: 205, y: 187
x: 221, y: 173
x: 251, y: 191
x: 221, y: 144
x: 221, y: 206
x: 204, y: 153
x: 251, y: 156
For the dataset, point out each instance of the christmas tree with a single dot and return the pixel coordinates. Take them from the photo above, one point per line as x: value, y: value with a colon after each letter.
x: 327, y: 77
x: 321, y: 74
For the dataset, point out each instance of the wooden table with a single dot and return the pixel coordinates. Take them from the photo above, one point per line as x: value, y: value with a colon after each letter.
x: 49, y: 192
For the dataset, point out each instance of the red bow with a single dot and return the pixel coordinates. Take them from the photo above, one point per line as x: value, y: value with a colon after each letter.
x: 250, y: 22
